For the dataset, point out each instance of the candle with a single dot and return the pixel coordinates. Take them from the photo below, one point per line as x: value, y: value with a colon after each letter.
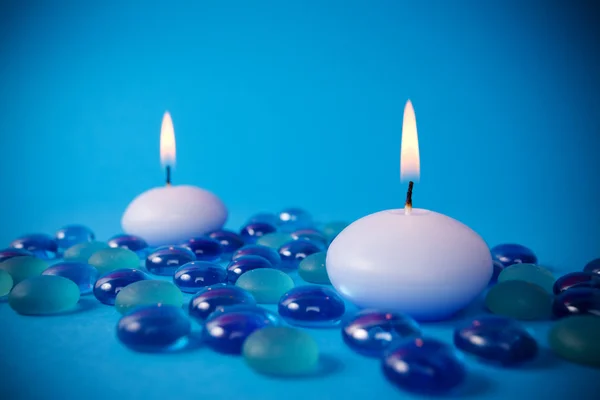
x: 172, y: 214
x: 409, y: 260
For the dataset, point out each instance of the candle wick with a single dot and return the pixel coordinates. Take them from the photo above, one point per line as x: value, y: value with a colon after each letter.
x: 168, y: 175
x: 408, y: 204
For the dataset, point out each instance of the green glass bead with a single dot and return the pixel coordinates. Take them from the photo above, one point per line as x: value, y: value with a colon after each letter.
x: 23, y: 267
x: 274, y: 240
x: 312, y: 268
x: 81, y: 252
x: 148, y: 292
x: 528, y: 273
x: 112, y: 258
x: 576, y: 339
x: 44, y: 294
x: 266, y: 285
x: 332, y: 229
x: 282, y: 351
x: 519, y: 300
x: 6, y: 283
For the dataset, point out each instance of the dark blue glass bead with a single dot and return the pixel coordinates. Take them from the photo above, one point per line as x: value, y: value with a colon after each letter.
x: 312, y: 235
x: 372, y: 332
x: 312, y: 306
x: 237, y: 267
x: 576, y: 280
x: 593, y: 266
x: 509, y: 254
x: 71, y: 235
x: 208, y: 299
x: 255, y: 230
x: 226, y: 329
x: 84, y: 275
x: 496, y: 339
x: 293, y: 219
x: 166, y: 260
x: 109, y: 285
x: 154, y: 328
x: 577, y: 301
x: 205, y: 248
x: 130, y: 242
x: 425, y: 366
x: 266, y: 218
x: 292, y: 253
x: 10, y: 253
x: 41, y: 245
x: 498, y: 267
x: 230, y: 241
x: 195, y: 275
x: 257, y: 250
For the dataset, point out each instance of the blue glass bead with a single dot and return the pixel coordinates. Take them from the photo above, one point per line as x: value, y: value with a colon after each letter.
x: 208, y: 299
x: 266, y: 218
x: 84, y: 275
x: 238, y: 266
x: 226, y: 329
x: 496, y: 339
x: 154, y: 328
x: 593, y: 266
x: 293, y: 219
x: 195, y: 275
x: 498, y: 267
x: 205, y: 248
x: 230, y: 241
x: 425, y: 366
x: 576, y: 280
x: 312, y: 306
x: 257, y: 250
x: 71, y: 235
x: 7, y: 254
x: 577, y: 301
x: 313, y: 235
x: 41, y: 245
x: 292, y: 253
x: 129, y: 242
x: 509, y: 254
x: 166, y: 260
x: 255, y: 230
x: 109, y: 285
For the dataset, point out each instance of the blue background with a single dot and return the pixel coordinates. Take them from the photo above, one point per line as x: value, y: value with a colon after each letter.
x: 289, y: 103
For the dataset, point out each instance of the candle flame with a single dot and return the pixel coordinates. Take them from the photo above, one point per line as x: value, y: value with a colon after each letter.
x: 167, y: 142
x: 410, y: 162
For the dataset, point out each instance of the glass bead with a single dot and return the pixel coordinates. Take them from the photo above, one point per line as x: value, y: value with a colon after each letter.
x: 312, y: 306
x: 577, y: 301
x: 147, y: 292
x: 70, y: 235
x: 166, y: 260
x: 292, y: 253
x: 230, y: 241
x: 266, y: 285
x: 43, y: 294
x: 312, y: 269
x: 528, y: 273
x: 576, y: 339
x: 255, y: 230
x: 110, y: 259
x: 519, y: 300
x: 332, y: 229
x: 257, y: 250
x: 593, y: 266
x: 226, y: 329
x: 21, y: 268
x: 266, y: 218
x: 313, y: 235
x: 509, y: 254
x: 498, y: 267
x: 281, y: 351
x: 82, y: 252
x: 241, y: 265
x: 208, y: 299
x: 274, y: 240
x: 10, y: 253
x: 372, y: 332
x: 155, y: 328
x: 425, y: 366
x: 195, y: 275
x: 129, y: 242
x: 205, y: 248
x: 6, y: 283
x: 109, y: 285
x: 82, y: 274
x: 496, y: 339
x: 41, y: 245
x: 576, y: 280
x: 293, y: 219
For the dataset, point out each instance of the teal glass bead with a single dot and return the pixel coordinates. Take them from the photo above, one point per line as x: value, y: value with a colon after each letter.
x: 10, y: 253
x: 44, y: 294
x: 274, y: 240
x: 266, y: 285
x: 519, y: 300
x: 82, y: 274
x: 332, y: 229
x: 70, y: 235
x: 113, y: 258
x: 312, y: 269
x: 147, y: 292
x: 23, y: 267
x: 83, y: 251
x: 6, y: 283
x: 529, y: 273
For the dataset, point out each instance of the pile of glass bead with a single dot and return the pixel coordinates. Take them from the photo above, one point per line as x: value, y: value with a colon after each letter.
x: 280, y: 260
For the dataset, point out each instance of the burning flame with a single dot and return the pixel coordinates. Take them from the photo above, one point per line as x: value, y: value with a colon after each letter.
x: 167, y: 142
x: 410, y: 163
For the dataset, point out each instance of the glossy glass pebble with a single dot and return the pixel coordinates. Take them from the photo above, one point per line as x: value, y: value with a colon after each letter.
x: 205, y: 248
x: 255, y: 230
x: 257, y: 250
x: 267, y: 218
x: 109, y: 285
x: 6, y: 283
x: 496, y: 339
x: 147, y: 292
x: 230, y: 241
x: 41, y: 245
x: 312, y: 306
x: 593, y: 266
x: 207, y: 300
x: 154, y: 328
x: 70, y: 235
x: 332, y: 229
x: 225, y: 330
x: 312, y: 269
x: 274, y: 240
x: 372, y: 332
x: 576, y: 339
x: 293, y: 218
x: 509, y: 254
x: 23, y: 267
x: 129, y: 242
x: 529, y: 273
x: 577, y: 301
x: 576, y: 280
x: 498, y: 267
x: 241, y: 265
x: 195, y: 275
x: 519, y: 300
x: 292, y: 253
x: 166, y: 260
x: 281, y: 351
x: 83, y: 251
x: 10, y: 253
x: 266, y: 285
x: 82, y: 274
x: 44, y: 294
x: 425, y: 366
x: 112, y: 258
x: 312, y: 235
